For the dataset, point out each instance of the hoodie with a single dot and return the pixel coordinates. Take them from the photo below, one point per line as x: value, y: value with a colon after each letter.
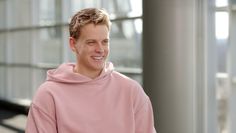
x: 69, y: 102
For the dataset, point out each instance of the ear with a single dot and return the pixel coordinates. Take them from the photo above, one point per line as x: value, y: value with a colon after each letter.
x: 72, y: 42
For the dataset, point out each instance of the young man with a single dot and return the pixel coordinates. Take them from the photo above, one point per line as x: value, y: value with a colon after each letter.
x: 89, y: 96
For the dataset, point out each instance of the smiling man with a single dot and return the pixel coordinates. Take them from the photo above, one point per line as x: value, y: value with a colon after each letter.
x: 92, y: 49
x: 89, y: 96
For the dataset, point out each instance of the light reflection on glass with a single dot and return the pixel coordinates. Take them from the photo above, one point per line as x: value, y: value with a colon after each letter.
x: 221, y: 3
x: 222, y: 25
x: 138, y: 25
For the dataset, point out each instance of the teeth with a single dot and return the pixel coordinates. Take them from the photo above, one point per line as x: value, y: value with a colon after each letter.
x: 97, y: 57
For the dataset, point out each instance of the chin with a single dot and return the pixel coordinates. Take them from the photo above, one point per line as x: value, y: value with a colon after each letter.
x: 99, y: 66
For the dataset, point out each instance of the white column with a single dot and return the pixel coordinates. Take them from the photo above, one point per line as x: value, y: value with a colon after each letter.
x: 179, y: 65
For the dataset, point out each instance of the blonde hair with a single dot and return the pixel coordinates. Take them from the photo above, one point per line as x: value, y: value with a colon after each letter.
x: 87, y: 16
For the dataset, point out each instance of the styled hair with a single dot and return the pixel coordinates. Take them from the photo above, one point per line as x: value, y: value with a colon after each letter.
x: 87, y: 16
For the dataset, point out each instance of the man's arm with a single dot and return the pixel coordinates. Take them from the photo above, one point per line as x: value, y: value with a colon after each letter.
x: 144, y: 121
x: 39, y: 121
x: 143, y: 112
x: 42, y: 113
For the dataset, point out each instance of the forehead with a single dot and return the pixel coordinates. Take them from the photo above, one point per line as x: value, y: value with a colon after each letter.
x: 92, y: 31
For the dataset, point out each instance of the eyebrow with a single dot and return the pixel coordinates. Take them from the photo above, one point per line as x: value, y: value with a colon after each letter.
x: 90, y: 40
x: 87, y: 40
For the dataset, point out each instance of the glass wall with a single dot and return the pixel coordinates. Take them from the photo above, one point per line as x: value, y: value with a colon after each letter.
x: 224, y: 35
x: 34, y: 38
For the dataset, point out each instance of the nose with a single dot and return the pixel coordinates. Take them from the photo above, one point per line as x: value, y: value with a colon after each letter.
x: 99, y: 48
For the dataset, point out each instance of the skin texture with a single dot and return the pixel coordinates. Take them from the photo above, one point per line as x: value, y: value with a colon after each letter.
x: 91, y: 49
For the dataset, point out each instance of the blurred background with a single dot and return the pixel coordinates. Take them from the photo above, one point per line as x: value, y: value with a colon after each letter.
x: 182, y: 52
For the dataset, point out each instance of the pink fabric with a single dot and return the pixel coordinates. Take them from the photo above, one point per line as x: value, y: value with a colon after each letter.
x: 72, y: 103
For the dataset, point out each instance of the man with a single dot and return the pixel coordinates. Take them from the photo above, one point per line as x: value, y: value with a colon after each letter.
x: 89, y: 96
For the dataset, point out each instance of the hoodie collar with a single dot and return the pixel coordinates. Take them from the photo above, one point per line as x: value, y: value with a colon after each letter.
x: 64, y: 73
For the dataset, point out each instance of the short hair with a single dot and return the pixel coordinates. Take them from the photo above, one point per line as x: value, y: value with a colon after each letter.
x: 87, y: 16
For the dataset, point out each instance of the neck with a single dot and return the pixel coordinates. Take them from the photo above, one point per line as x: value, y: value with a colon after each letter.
x: 90, y: 74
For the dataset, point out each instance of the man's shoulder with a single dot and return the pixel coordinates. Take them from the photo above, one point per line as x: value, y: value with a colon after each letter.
x: 46, y: 87
x: 130, y: 84
x: 122, y: 78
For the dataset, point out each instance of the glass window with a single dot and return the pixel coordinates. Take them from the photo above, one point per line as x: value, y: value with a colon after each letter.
x: 2, y: 47
x: 3, y: 14
x: 124, y: 37
x: 117, y: 7
x: 221, y: 3
x: 19, y: 47
x: 69, y: 56
x: 79, y: 4
x: 47, y: 12
x: 18, y: 13
x: 114, y: 7
x: 38, y: 77
x: 136, y: 7
x: 222, y: 36
x: 3, y: 86
x: 47, y: 46
x: 222, y: 25
x: 18, y: 85
x: 123, y: 7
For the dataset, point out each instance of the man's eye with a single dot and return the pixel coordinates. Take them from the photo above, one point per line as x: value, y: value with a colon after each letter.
x: 90, y: 43
x: 105, y: 42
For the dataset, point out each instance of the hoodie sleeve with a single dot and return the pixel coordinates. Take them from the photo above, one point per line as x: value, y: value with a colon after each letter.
x: 144, y: 121
x: 39, y: 122
x: 42, y: 116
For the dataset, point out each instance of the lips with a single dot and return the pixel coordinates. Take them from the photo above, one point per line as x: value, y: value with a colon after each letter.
x: 97, y: 58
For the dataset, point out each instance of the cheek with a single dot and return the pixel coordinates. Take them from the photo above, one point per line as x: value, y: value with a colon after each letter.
x: 107, y: 49
x: 81, y: 49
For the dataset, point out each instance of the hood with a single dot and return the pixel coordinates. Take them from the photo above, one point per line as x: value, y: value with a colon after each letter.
x: 64, y: 73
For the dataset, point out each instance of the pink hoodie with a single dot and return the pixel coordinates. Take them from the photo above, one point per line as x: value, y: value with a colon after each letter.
x: 72, y: 103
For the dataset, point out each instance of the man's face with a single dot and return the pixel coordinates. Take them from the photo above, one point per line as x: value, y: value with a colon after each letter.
x: 92, y: 48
